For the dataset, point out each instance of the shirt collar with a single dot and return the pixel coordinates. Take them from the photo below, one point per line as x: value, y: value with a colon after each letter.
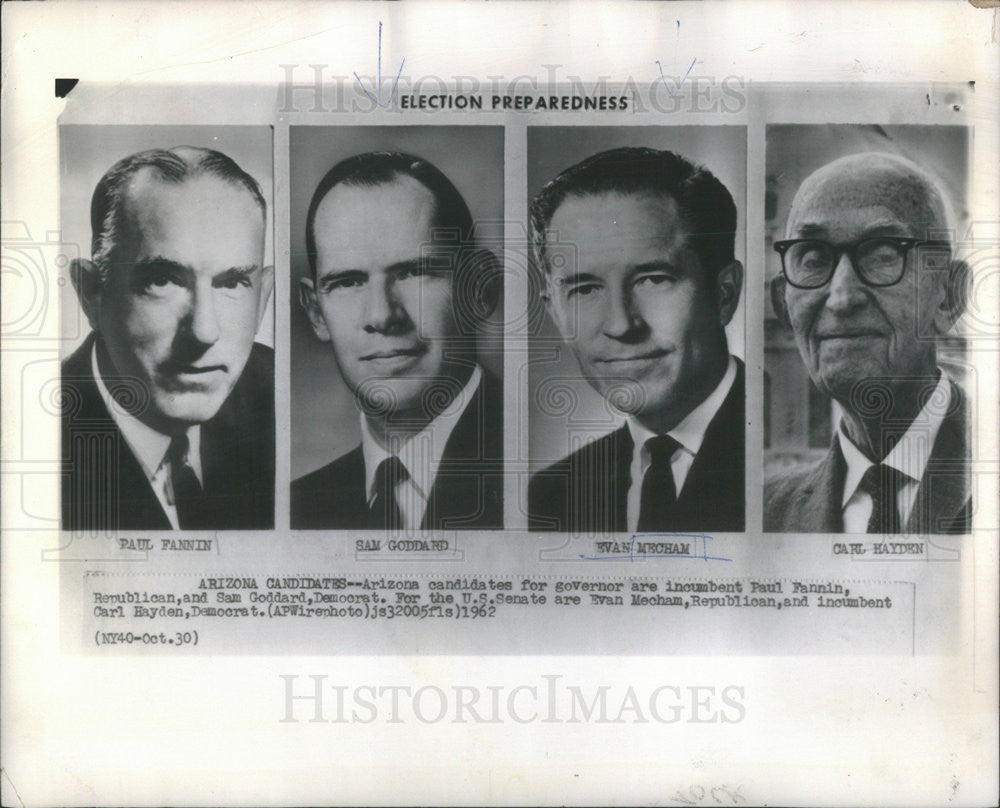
x: 420, y: 453
x: 690, y: 432
x: 148, y: 445
x: 911, y: 454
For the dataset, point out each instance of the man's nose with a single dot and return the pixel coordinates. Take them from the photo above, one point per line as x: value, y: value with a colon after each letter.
x: 380, y: 306
x: 620, y: 315
x: 846, y: 288
x: 204, y: 316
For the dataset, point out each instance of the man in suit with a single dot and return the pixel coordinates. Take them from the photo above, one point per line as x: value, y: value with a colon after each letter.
x: 168, y: 406
x: 398, y: 289
x: 868, y: 286
x: 642, y: 292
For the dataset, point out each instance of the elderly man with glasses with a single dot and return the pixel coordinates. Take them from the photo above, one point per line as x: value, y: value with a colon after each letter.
x: 868, y: 287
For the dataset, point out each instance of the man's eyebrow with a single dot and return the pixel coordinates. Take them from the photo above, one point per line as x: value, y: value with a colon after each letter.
x: 159, y: 262
x: 888, y: 227
x: 243, y: 270
x: 810, y: 230
x: 334, y: 274
x: 579, y: 277
x: 891, y: 228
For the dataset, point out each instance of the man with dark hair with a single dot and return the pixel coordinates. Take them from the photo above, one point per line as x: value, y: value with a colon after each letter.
x: 168, y: 418
x: 645, y: 284
x: 398, y: 289
x: 868, y: 287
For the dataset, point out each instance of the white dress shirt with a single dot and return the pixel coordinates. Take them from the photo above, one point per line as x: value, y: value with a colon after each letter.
x: 689, y: 433
x: 150, y: 447
x: 909, y: 456
x: 420, y: 454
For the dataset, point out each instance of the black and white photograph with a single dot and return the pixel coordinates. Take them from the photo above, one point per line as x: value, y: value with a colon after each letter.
x: 500, y: 403
x: 397, y: 396
x: 867, y: 413
x: 168, y: 382
x: 639, y: 238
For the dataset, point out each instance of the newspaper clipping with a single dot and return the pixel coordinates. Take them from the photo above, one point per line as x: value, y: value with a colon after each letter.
x: 689, y: 373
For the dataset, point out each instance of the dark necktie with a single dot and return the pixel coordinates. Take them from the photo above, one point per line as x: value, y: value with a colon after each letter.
x: 384, y: 513
x: 189, y: 499
x: 882, y: 484
x: 659, y: 494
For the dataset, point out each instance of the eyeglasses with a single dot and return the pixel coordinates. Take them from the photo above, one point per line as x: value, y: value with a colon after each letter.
x: 809, y: 263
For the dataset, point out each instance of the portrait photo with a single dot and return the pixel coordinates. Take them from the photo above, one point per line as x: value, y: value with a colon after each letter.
x: 167, y: 397
x: 866, y: 382
x: 396, y: 327
x: 637, y: 383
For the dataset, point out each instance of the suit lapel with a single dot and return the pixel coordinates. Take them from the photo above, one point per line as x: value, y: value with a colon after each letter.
x: 470, y: 471
x: 106, y: 488
x: 717, y: 475
x: 596, y: 479
x: 943, y: 503
x: 138, y: 505
x: 348, y: 500
x: 620, y: 468
x: 819, y: 499
x: 449, y: 494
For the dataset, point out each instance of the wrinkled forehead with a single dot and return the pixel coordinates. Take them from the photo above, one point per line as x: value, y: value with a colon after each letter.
x: 871, y: 181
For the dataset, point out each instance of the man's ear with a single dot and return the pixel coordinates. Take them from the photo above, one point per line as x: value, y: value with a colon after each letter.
x: 777, y: 290
x: 307, y: 297
x: 545, y: 290
x: 955, y: 298
x: 89, y: 287
x: 476, y: 287
x: 266, y: 288
x: 491, y: 287
x: 728, y: 285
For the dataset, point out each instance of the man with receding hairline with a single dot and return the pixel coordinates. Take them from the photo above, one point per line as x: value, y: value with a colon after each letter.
x: 169, y: 416
x: 397, y: 287
x: 868, y: 286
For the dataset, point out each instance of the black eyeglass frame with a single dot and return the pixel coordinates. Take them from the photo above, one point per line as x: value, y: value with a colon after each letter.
x: 906, y: 244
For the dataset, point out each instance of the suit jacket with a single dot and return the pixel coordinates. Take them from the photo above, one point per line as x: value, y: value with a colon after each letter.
x: 587, y: 492
x: 808, y: 499
x: 104, y: 486
x: 467, y: 493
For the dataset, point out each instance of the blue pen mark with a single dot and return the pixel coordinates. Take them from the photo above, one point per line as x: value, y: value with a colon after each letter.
x: 378, y: 84
x: 638, y: 554
x: 677, y: 39
x: 664, y: 78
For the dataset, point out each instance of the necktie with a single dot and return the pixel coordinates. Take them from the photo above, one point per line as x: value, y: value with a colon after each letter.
x: 659, y: 493
x: 882, y: 484
x: 188, y: 496
x: 384, y: 513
